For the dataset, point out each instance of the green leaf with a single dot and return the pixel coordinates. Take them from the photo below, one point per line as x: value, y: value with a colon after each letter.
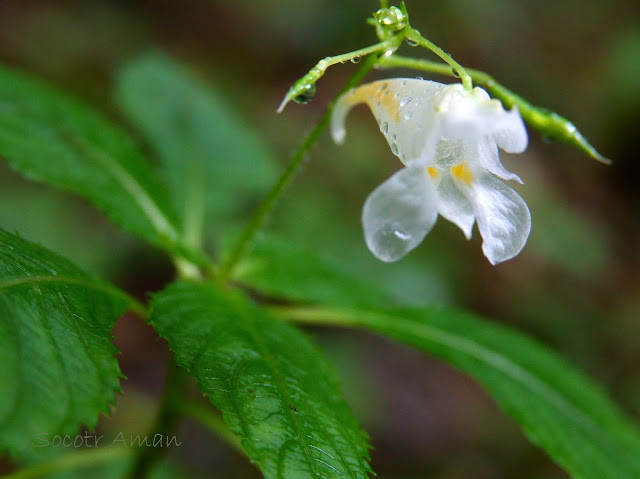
x: 558, y: 408
x: 58, y: 363
x: 50, y: 137
x: 274, y: 388
x: 211, y: 157
x: 279, y: 268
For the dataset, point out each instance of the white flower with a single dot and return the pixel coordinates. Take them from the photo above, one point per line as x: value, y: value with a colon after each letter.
x: 447, y: 138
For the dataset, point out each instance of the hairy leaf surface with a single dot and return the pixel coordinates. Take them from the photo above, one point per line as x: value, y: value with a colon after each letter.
x: 58, y: 368
x: 274, y: 388
x: 557, y: 407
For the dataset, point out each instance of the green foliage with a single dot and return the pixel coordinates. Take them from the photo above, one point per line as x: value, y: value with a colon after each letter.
x: 210, y: 156
x: 557, y: 408
x: 275, y: 390
x: 48, y: 136
x: 279, y: 268
x: 55, y: 333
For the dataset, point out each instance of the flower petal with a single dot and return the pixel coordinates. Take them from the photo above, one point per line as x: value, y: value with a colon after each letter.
x: 455, y: 206
x: 404, y: 110
x: 503, y: 217
x: 510, y: 133
x: 453, y: 203
x: 469, y: 115
x: 399, y: 213
x: 486, y: 153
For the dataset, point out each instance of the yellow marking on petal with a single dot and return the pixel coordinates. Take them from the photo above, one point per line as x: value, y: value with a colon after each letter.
x: 462, y: 172
x: 433, y: 172
x: 374, y: 93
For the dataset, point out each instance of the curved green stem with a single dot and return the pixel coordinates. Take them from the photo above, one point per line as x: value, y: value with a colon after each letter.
x: 321, y: 67
x: 73, y: 460
x: 255, y: 223
x: 549, y: 124
x: 414, y: 36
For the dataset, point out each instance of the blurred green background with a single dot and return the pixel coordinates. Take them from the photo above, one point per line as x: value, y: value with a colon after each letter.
x: 575, y: 287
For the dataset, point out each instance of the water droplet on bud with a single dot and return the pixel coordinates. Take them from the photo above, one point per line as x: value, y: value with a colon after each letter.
x: 307, y: 93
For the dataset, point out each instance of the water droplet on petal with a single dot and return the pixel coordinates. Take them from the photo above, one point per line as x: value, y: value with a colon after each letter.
x: 385, y: 128
x: 402, y: 235
x: 408, y: 115
x: 394, y: 148
x: 419, y: 78
x: 405, y: 101
x: 307, y: 93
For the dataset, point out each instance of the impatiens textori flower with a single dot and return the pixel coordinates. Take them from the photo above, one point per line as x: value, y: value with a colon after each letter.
x: 447, y: 138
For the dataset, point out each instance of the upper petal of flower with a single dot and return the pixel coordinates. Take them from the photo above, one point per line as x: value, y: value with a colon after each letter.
x: 503, y: 217
x: 399, y: 213
x: 405, y: 111
x: 510, y: 134
x: 474, y: 115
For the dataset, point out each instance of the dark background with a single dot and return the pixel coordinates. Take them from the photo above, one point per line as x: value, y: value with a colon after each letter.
x: 575, y: 286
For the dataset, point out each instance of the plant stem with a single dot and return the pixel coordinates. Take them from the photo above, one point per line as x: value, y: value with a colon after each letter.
x: 257, y: 221
x: 316, y: 315
x: 549, y: 124
x: 414, y: 36
x: 386, y: 45
x: 73, y: 460
x: 166, y: 420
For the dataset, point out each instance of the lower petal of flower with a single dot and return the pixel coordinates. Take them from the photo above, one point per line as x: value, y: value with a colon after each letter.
x: 486, y: 152
x: 399, y: 213
x: 502, y: 215
x: 454, y: 205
